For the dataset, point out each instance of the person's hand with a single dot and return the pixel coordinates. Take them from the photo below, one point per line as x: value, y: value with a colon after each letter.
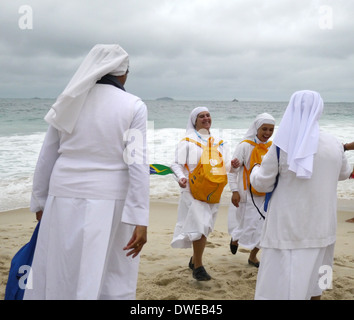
x: 235, y: 199
x: 39, y: 215
x: 137, y: 241
x: 182, y: 182
x: 235, y: 163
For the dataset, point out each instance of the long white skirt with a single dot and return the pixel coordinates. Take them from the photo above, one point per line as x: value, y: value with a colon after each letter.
x: 296, y: 274
x: 79, y: 252
x: 195, y: 218
x: 245, y: 223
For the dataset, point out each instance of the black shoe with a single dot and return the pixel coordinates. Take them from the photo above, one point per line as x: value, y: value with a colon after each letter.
x: 191, y: 265
x: 200, y: 274
x: 233, y: 247
x: 255, y: 264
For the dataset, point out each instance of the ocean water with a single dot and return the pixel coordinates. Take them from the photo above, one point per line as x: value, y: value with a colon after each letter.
x: 22, y: 130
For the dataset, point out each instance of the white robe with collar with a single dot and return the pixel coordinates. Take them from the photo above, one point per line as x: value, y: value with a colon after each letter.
x: 93, y: 185
x: 195, y: 218
x: 244, y: 223
x: 299, y: 233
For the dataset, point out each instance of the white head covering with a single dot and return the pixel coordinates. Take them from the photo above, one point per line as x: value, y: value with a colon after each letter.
x: 193, y: 117
x: 298, y: 131
x: 261, y: 119
x: 101, y: 60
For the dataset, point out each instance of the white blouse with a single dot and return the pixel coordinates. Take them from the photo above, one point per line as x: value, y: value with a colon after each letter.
x: 243, y: 153
x: 189, y: 153
x: 302, y: 213
x: 104, y: 158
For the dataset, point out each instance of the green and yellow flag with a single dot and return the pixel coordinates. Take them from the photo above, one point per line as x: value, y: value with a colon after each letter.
x: 160, y: 169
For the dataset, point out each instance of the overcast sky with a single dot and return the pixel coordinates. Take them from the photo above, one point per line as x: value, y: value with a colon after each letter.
x: 184, y: 49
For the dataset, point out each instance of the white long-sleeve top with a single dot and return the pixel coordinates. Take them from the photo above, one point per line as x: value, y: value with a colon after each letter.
x: 302, y: 213
x: 104, y: 158
x: 189, y: 153
x: 243, y: 153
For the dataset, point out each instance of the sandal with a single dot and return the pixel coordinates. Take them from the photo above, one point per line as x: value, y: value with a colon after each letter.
x: 200, y: 274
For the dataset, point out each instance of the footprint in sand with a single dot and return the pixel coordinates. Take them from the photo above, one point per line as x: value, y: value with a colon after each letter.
x: 212, y: 245
x: 165, y: 281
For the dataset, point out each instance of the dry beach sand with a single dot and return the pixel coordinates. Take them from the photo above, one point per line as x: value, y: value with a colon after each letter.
x: 164, y: 272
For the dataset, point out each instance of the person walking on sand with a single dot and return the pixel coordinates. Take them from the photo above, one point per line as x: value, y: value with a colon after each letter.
x: 91, y: 195
x: 244, y: 221
x: 196, y: 218
x: 299, y: 233
x: 349, y: 146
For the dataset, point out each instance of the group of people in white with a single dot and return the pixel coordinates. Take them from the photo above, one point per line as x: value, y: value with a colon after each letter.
x: 93, y: 205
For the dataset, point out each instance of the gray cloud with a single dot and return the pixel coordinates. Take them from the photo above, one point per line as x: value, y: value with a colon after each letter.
x: 186, y: 49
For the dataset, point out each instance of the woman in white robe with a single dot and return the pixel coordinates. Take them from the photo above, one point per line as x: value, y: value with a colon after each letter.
x: 299, y: 233
x: 91, y: 186
x: 244, y: 221
x: 349, y: 146
x: 196, y: 218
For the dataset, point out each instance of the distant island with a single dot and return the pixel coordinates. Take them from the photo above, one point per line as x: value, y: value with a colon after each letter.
x: 235, y: 100
x: 164, y: 99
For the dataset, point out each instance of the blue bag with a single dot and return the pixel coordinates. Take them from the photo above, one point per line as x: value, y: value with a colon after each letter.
x: 19, y: 270
x: 268, y: 194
